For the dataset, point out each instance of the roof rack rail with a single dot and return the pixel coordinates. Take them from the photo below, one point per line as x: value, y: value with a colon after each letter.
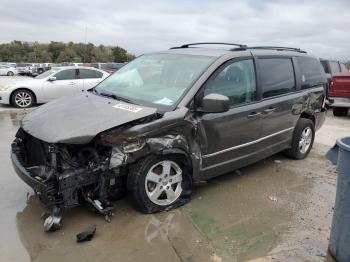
x: 278, y: 48
x: 241, y: 47
x: 208, y: 43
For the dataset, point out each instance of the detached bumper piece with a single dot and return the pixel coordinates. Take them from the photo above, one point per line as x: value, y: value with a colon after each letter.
x: 86, y: 235
x: 63, y: 177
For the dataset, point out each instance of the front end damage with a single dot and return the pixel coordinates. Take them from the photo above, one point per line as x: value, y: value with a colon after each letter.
x: 66, y: 175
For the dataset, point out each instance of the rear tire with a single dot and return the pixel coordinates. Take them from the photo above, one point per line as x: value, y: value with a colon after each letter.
x: 10, y: 73
x: 340, y: 111
x: 158, y: 183
x: 303, y: 139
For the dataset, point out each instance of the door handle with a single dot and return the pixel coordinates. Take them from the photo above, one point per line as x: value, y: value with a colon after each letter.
x: 71, y: 83
x: 254, y: 114
x: 269, y: 110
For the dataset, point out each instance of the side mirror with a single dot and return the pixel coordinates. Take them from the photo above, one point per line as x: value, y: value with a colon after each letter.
x: 215, y: 103
x: 52, y: 78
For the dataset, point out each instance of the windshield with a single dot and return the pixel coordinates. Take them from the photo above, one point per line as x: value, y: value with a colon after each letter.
x: 157, y: 80
x: 46, y: 74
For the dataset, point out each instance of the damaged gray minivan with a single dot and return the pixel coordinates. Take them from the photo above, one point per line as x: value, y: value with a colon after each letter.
x: 167, y: 121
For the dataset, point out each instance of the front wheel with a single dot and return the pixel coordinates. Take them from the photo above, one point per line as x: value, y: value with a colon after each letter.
x: 22, y: 99
x: 10, y: 73
x: 303, y: 139
x: 158, y: 183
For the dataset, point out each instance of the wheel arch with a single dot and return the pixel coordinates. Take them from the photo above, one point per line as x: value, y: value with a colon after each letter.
x: 180, y: 152
x: 308, y: 115
x: 22, y: 88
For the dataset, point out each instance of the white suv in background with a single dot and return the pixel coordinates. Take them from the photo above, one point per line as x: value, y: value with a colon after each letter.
x: 50, y: 85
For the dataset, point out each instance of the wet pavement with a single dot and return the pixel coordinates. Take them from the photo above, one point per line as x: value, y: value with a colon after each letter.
x: 275, y: 210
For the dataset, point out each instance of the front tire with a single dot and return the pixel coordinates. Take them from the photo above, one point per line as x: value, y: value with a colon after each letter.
x: 22, y: 98
x: 158, y: 183
x: 303, y: 139
x: 340, y: 111
x: 10, y: 73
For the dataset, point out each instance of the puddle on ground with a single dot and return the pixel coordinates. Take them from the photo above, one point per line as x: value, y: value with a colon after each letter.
x: 243, y: 215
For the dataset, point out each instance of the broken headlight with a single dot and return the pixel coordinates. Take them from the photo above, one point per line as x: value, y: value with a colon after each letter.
x: 125, y: 143
x: 134, y: 146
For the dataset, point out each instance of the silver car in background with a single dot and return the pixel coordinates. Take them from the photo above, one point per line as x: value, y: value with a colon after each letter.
x: 6, y: 70
x: 50, y: 85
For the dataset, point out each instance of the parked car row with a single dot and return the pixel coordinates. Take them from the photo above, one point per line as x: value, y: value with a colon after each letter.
x: 35, y: 69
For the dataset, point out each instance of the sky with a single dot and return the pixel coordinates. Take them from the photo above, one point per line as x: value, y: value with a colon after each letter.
x: 319, y: 27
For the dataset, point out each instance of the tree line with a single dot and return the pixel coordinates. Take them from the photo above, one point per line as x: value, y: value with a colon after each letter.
x: 58, y: 52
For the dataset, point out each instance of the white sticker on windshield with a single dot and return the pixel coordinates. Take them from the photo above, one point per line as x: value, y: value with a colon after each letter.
x: 130, y: 108
x: 164, y: 101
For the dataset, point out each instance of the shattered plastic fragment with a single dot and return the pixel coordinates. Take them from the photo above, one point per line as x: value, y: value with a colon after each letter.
x: 86, y: 235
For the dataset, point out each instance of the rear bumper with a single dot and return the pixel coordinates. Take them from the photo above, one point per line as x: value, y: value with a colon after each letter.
x: 339, y: 102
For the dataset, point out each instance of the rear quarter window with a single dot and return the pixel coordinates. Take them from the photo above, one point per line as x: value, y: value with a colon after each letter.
x: 87, y: 74
x: 67, y: 74
x: 276, y: 76
x: 311, y: 71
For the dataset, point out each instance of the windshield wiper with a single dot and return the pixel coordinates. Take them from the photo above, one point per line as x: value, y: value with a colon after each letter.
x: 117, y: 97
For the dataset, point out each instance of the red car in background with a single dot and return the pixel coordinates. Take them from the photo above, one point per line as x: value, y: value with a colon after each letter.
x: 339, y: 93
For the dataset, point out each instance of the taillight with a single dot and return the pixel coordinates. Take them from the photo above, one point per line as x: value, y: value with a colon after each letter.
x: 331, y: 86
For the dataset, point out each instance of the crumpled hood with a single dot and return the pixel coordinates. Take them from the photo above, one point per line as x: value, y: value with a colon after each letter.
x: 78, y: 119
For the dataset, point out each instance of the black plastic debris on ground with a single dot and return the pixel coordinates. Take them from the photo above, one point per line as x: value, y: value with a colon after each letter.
x: 86, y: 235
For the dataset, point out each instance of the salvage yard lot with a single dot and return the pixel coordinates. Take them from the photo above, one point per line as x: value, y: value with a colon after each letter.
x: 278, y: 208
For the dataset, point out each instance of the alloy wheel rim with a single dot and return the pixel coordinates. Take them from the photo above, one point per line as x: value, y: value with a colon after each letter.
x: 163, y: 183
x: 23, y: 99
x: 305, y: 140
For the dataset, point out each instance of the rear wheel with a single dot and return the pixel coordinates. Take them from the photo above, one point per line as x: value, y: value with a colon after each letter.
x: 340, y: 111
x: 22, y: 99
x: 10, y: 73
x: 159, y: 183
x: 303, y: 139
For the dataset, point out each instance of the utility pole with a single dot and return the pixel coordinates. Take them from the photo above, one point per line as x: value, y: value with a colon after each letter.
x: 85, y: 37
